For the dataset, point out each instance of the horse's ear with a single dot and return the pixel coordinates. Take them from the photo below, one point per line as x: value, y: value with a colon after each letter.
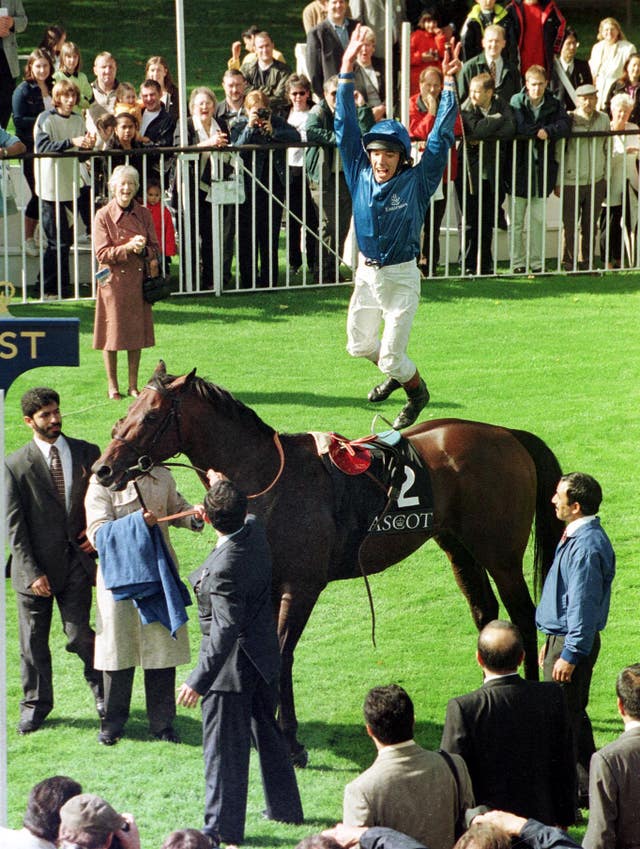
x: 180, y: 384
x: 161, y: 369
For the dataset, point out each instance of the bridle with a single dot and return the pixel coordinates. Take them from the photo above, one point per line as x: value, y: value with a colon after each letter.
x: 145, y: 462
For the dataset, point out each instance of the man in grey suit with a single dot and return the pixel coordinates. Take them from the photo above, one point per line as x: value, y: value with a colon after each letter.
x: 514, y: 735
x: 238, y: 671
x: 12, y: 21
x: 407, y: 788
x: 50, y: 555
x: 614, y: 775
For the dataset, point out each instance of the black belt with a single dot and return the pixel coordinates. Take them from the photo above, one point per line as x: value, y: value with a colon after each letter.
x: 372, y: 263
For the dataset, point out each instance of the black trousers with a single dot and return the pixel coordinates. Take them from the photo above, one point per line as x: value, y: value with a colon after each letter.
x: 230, y: 721
x: 34, y: 623
x: 159, y: 691
x: 577, y: 695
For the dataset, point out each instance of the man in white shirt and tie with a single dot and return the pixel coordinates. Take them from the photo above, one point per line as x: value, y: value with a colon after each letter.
x: 50, y: 555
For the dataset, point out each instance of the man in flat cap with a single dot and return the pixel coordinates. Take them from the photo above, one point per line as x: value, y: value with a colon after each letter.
x: 584, y: 187
x: 89, y: 821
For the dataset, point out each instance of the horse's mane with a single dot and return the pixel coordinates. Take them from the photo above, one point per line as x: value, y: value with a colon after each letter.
x: 222, y: 399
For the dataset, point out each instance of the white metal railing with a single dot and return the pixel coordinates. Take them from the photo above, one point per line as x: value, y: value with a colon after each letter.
x: 247, y: 227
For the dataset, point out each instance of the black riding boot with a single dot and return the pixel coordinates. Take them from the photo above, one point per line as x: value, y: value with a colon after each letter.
x: 382, y: 391
x: 417, y: 400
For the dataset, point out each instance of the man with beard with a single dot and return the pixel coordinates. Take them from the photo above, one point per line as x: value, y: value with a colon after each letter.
x: 50, y: 554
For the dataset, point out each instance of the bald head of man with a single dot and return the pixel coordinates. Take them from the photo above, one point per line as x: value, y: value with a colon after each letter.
x: 500, y: 648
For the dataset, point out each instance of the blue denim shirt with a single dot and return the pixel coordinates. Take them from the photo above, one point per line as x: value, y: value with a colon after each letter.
x: 577, y: 591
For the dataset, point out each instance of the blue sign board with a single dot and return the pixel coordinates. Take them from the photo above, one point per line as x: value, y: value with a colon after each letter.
x: 27, y: 343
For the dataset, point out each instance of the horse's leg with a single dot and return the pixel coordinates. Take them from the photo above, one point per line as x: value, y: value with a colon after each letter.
x: 516, y: 598
x: 472, y: 580
x: 294, y: 610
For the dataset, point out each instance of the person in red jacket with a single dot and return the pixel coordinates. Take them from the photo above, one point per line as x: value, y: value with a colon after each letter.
x: 162, y: 222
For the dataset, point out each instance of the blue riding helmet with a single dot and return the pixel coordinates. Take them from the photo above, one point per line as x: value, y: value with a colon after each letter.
x: 388, y: 135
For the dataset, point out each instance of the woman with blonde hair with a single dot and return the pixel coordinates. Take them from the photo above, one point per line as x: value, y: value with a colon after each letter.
x: 608, y: 57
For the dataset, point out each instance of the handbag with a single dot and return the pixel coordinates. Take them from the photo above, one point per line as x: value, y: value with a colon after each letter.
x: 230, y: 189
x: 156, y: 288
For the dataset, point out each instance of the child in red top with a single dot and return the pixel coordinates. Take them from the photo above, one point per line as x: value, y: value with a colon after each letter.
x: 161, y: 219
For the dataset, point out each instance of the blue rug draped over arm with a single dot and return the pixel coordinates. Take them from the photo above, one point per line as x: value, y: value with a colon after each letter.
x: 136, y: 564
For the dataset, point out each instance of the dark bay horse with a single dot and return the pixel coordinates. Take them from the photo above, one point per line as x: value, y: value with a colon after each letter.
x: 488, y: 484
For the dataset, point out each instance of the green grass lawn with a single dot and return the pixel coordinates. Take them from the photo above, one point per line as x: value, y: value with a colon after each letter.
x: 556, y: 356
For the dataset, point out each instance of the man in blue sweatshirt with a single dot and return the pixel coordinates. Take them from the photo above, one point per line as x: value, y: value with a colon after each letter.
x: 574, y: 606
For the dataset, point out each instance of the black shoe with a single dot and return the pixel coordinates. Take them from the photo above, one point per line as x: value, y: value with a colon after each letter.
x: 167, y: 735
x: 100, y: 708
x: 108, y: 738
x: 382, y: 391
x: 28, y: 726
x: 417, y: 399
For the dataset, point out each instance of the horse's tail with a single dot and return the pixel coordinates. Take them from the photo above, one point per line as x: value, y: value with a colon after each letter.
x: 548, y: 528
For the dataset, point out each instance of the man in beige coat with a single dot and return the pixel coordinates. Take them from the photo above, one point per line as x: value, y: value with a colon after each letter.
x: 122, y: 641
x: 407, y: 788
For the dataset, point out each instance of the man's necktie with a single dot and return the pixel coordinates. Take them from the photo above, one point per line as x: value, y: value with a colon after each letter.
x: 492, y: 70
x: 57, y: 474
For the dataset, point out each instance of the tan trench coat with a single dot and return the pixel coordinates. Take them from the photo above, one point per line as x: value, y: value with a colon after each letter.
x: 122, y: 641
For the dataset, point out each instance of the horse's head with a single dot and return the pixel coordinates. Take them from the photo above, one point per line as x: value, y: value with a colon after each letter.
x: 148, y: 434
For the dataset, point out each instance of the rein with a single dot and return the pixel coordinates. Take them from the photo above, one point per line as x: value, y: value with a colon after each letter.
x: 280, y: 450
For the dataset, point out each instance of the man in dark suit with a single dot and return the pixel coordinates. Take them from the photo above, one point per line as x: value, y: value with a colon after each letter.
x: 238, y: 671
x: 614, y: 775
x: 493, y: 60
x: 514, y: 735
x: 50, y: 555
x: 326, y: 44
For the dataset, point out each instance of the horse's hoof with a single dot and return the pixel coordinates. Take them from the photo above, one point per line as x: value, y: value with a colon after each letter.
x: 300, y: 758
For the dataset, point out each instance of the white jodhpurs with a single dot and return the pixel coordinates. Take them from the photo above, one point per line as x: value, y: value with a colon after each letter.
x: 391, y: 295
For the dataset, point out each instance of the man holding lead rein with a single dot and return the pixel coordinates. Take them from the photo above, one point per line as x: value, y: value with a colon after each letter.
x: 390, y: 198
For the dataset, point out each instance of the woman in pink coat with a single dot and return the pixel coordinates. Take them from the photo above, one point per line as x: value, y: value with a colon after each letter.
x: 124, y: 238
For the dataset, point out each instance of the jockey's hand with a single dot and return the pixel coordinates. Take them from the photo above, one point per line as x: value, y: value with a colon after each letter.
x: 357, y: 40
x: 451, y: 63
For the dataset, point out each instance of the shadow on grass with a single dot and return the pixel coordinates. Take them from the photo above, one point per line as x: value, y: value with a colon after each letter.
x: 312, y: 399
x: 351, y: 742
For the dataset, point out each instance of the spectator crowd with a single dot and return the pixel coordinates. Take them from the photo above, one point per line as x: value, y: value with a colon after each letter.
x: 521, y: 79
